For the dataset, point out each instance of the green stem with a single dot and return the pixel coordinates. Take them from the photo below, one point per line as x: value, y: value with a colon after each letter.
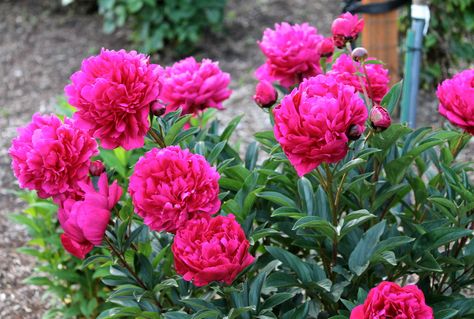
x: 333, y: 207
x: 458, y: 146
x: 157, y: 138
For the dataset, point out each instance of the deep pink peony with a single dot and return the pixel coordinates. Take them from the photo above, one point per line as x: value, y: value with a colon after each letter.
x: 312, y: 122
x: 346, y: 28
x: 345, y: 71
x: 292, y: 53
x: 194, y: 86
x: 211, y: 249
x: 456, y: 97
x: 379, y: 118
x: 265, y: 94
x: 84, y: 221
x: 389, y: 300
x: 326, y: 47
x: 51, y: 157
x: 170, y: 186
x: 112, y: 93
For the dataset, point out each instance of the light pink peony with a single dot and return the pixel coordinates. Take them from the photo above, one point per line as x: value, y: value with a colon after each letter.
x: 456, y: 97
x: 389, y: 300
x: 84, y: 221
x: 112, y: 93
x: 292, y: 54
x: 194, y: 86
x: 344, y: 69
x: 312, y: 123
x: 346, y: 28
x: 265, y: 94
x: 211, y: 249
x: 51, y: 157
x: 170, y: 186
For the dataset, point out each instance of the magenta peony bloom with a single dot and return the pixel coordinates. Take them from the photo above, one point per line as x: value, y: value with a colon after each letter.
x: 379, y: 118
x: 389, y: 300
x: 51, y: 157
x: 456, y: 97
x: 292, y: 54
x: 112, y: 93
x: 211, y: 249
x: 346, y: 28
x: 326, y: 47
x: 84, y: 221
x: 312, y: 122
x: 194, y: 86
x: 170, y: 186
x: 265, y: 94
x: 345, y: 69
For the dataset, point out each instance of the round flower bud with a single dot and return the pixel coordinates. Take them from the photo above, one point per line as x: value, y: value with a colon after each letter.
x: 379, y: 118
x: 96, y: 168
x: 265, y: 94
x: 354, y: 132
x: 158, y: 109
x: 326, y: 47
x: 359, y: 54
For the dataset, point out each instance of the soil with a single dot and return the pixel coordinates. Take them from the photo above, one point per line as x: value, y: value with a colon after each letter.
x: 42, y: 44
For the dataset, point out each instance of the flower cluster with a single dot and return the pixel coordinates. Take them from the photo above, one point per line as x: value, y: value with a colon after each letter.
x: 456, y: 97
x: 112, y: 93
x: 292, y: 53
x: 311, y: 123
x: 194, y: 86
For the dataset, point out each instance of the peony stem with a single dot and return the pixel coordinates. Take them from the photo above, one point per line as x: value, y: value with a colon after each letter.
x: 458, y: 146
x: 371, y: 92
x: 332, y: 204
x: 157, y: 138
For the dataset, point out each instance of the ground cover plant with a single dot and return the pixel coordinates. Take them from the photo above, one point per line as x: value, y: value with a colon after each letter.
x: 338, y: 212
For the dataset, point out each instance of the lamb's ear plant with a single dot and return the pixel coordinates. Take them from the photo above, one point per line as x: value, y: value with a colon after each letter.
x: 337, y: 212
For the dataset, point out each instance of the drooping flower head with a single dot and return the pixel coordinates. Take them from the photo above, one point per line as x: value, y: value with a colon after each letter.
x: 345, y: 70
x: 211, y: 249
x: 112, y: 93
x: 292, y: 53
x: 194, y: 86
x: 456, y: 97
x: 170, y: 186
x: 84, y: 221
x: 51, y: 157
x: 389, y: 300
x: 265, y: 94
x: 346, y: 28
x: 312, y: 123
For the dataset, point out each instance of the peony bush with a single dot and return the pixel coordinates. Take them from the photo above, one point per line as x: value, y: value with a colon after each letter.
x: 337, y: 212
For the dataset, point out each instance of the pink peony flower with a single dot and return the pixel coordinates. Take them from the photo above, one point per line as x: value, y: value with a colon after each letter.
x: 311, y: 123
x: 194, y: 86
x: 345, y: 69
x: 292, y: 54
x: 51, y: 157
x: 389, y: 300
x: 112, y: 93
x: 346, y: 28
x: 456, y: 97
x: 170, y: 186
x: 326, y: 47
x: 84, y: 221
x: 211, y: 249
x: 265, y: 94
x: 379, y: 118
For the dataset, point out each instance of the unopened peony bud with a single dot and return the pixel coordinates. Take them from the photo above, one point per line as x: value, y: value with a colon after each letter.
x: 359, y: 54
x: 379, y: 118
x: 265, y: 94
x: 346, y: 28
x: 158, y: 109
x: 96, y: 168
x: 326, y: 47
x: 354, y: 132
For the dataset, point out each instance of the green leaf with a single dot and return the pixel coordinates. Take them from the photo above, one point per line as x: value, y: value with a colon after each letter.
x: 360, y: 258
x: 392, y: 98
x: 230, y: 128
x: 251, y: 156
x: 291, y: 261
x: 350, y: 165
x: 281, y: 280
x: 387, y: 138
x: 171, y: 135
x: 355, y: 219
x: 318, y: 224
x: 216, y: 151
x: 305, y: 191
x: 277, y: 198
x: 446, y: 313
x: 276, y: 300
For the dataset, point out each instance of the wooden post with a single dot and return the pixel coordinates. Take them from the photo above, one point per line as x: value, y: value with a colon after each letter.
x: 380, y: 38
